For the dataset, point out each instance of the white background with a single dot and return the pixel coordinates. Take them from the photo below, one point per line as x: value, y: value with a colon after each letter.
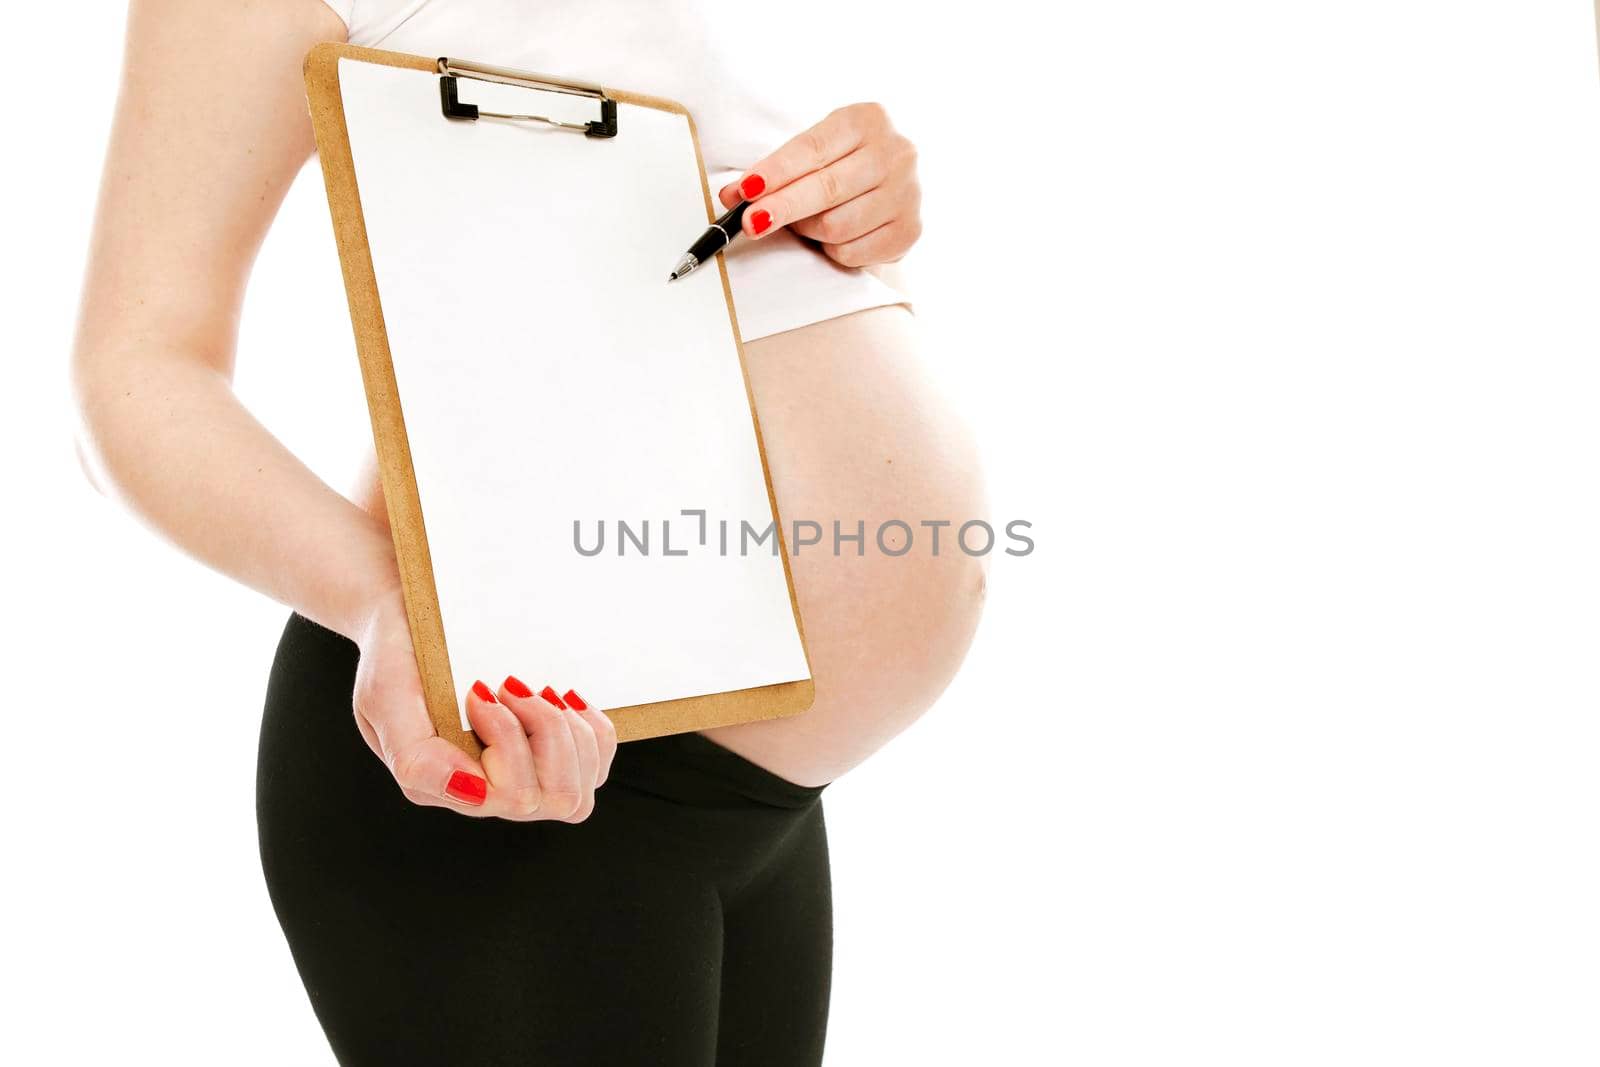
x: 1277, y: 320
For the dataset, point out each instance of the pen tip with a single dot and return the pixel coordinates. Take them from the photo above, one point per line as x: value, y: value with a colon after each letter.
x: 672, y: 277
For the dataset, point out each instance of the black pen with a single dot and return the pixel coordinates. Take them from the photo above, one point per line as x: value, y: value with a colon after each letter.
x: 714, y: 240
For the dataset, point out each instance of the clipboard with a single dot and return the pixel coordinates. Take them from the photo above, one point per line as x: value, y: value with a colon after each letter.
x: 544, y: 118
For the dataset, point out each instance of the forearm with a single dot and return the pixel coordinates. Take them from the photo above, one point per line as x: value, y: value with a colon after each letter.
x: 169, y: 439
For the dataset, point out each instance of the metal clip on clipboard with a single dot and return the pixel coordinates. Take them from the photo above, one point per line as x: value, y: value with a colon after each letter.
x: 450, y: 70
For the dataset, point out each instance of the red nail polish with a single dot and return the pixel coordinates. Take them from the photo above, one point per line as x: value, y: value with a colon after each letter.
x: 550, y: 695
x: 752, y: 187
x: 574, y: 701
x: 760, y: 220
x: 484, y: 693
x: 514, y: 686
x: 467, y: 788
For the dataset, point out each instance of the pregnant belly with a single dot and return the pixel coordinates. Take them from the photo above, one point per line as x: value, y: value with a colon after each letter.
x: 855, y: 433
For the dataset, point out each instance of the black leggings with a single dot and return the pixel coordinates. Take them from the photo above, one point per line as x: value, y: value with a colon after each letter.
x: 688, y: 921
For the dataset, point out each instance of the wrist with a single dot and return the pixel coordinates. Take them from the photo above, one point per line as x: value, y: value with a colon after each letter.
x: 379, y: 604
x: 369, y: 587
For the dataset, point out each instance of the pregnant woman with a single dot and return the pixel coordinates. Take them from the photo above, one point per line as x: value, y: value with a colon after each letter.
x: 561, y: 900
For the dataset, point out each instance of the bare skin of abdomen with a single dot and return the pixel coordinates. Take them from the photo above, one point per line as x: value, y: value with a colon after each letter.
x: 855, y: 433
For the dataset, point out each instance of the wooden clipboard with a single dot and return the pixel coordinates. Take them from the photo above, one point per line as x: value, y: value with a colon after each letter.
x: 394, y: 451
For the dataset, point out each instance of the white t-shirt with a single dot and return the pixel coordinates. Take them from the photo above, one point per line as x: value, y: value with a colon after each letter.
x: 662, y: 48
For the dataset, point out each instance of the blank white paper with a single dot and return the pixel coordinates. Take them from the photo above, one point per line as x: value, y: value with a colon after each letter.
x: 548, y: 373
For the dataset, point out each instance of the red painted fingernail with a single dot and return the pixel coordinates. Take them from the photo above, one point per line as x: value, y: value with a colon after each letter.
x: 550, y: 695
x: 760, y: 220
x: 752, y: 187
x: 514, y: 686
x: 484, y: 693
x: 574, y: 701
x: 467, y: 788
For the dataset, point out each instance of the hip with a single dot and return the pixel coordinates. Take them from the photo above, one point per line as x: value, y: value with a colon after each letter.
x: 422, y: 935
x: 326, y: 803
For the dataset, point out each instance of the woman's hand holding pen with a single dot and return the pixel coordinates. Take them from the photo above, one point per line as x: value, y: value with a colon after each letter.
x: 849, y: 183
x: 545, y: 752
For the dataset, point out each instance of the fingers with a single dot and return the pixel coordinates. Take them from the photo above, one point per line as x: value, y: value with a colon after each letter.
x: 543, y: 757
x: 429, y: 770
x: 835, y: 137
x: 848, y: 183
x: 434, y: 773
x: 884, y: 245
x: 816, y: 192
x: 594, y: 741
x: 852, y: 219
x: 605, y: 733
x: 545, y: 723
x: 508, y: 761
x: 588, y: 760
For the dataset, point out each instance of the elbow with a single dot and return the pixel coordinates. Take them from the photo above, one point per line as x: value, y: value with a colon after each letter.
x: 81, y: 450
x: 85, y: 429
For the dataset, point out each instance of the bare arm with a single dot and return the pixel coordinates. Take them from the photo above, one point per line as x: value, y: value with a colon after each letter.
x: 187, y: 197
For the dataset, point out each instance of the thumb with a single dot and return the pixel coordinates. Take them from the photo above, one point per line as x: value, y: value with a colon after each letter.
x: 428, y: 768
